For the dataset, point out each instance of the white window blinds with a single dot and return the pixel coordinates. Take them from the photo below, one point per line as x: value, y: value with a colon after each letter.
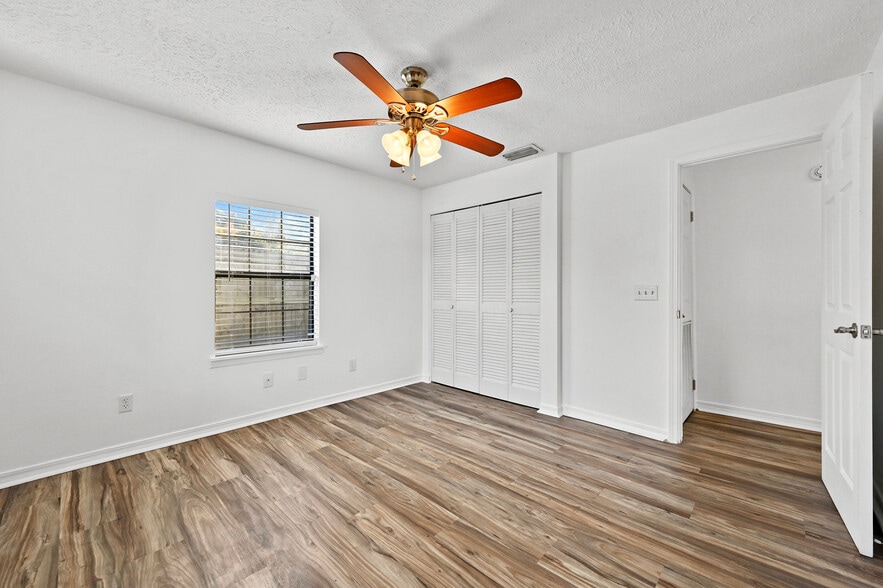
x: 265, y: 277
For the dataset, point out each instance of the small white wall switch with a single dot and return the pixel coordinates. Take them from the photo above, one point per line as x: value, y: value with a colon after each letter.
x: 352, y: 365
x: 646, y: 293
x: 302, y: 372
x: 267, y: 379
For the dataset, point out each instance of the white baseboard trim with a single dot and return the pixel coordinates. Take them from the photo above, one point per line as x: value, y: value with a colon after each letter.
x: 763, y: 416
x: 553, y: 410
x: 89, y: 458
x: 616, y: 423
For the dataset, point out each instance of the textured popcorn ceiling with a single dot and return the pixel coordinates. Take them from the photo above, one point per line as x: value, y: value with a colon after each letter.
x: 592, y: 70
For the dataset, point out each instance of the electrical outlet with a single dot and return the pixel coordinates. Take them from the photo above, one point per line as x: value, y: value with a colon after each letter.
x: 267, y: 379
x: 125, y: 402
x: 302, y: 372
x: 352, y: 365
x: 646, y: 292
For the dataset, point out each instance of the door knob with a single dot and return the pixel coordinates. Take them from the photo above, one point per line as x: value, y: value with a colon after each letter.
x: 853, y: 330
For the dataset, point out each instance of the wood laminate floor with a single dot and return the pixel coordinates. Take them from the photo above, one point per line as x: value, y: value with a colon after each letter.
x: 426, y: 485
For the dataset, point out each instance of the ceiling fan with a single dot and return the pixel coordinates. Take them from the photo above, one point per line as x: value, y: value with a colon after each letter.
x: 420, y: 114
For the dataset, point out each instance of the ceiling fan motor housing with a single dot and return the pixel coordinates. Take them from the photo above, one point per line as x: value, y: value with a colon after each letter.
x: 414, y: 76
x: 417, y: 96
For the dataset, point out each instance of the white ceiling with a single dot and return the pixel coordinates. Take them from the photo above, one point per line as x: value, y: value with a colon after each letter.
x: 592, y: 71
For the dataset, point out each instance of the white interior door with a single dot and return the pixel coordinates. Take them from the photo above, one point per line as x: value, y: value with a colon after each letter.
x: 686, y: 253
x: 442, y: 287
x: 466, y: 299
x: 846, y: 356
x: 688, y: 395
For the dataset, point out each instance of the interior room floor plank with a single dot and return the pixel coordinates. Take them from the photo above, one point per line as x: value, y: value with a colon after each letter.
x: 431, y: 486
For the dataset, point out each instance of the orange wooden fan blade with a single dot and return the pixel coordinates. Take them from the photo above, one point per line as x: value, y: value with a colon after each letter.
x: 471, y: 140
x: 338, y: 124
x: 365, y: 72
x: 496, y: 92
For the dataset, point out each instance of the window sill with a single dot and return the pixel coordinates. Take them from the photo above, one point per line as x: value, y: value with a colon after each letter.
x: 253, y: 356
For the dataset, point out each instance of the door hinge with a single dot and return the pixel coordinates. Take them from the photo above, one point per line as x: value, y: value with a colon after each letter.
x: 679, y: 314
x: 691, y: 216
x: 694, y: 384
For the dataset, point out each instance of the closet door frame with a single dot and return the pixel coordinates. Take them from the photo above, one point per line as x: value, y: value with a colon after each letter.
x: 487, y: 305
x: 542, y: 176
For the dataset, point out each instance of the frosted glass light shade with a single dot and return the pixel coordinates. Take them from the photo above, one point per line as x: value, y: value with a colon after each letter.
x: 398, y: 146
x: 430, y: 159
x: 428, y: 146
x: 404, y: 159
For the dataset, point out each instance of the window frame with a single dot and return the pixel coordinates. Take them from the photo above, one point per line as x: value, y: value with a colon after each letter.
x: 246, y: 354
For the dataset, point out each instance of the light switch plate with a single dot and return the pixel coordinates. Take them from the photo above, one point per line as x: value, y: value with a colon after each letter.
x: 646, y: 292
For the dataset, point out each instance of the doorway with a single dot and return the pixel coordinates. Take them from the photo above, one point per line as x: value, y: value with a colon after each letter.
x: 847, y: 239
x: 681, y: 175
x: 755, y: 274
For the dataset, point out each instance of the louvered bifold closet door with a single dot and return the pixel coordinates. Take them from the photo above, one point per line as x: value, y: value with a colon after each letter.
x: 524, y: 381
x: 466, y: 299
x: 494, y: 308
x: 442, y: 288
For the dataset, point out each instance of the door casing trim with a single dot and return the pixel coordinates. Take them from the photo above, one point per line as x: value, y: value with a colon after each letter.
x: 675, y: 342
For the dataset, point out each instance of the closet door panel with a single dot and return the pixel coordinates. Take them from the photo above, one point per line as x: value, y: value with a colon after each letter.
x: 494, y: 307
x: 442, y: 288
x: 466, y: 352
x: 524, y: 382
x: 494, y: 355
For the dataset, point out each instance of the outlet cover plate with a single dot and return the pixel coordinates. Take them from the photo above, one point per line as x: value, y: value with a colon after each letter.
x: 125, y: 402
x: 267, y: 379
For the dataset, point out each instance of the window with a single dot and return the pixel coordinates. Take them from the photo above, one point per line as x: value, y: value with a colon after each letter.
x: 265, y: 277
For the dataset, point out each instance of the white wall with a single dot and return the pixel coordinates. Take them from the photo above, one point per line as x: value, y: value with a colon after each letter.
x: 106, y: 254
x: 758, y: 286
x: 616, y: 233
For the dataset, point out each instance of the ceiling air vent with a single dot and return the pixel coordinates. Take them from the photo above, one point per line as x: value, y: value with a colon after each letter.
x: 522, y: 152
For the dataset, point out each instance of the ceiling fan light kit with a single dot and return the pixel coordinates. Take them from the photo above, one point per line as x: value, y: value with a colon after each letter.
x: 428, y: 146
x: 420, y: 114
x: 398, y: 146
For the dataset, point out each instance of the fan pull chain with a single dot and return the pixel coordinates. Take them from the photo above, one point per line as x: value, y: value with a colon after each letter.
x: 413, y: 177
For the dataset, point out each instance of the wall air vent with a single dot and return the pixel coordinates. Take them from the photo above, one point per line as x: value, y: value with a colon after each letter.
x: 522, y: 152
